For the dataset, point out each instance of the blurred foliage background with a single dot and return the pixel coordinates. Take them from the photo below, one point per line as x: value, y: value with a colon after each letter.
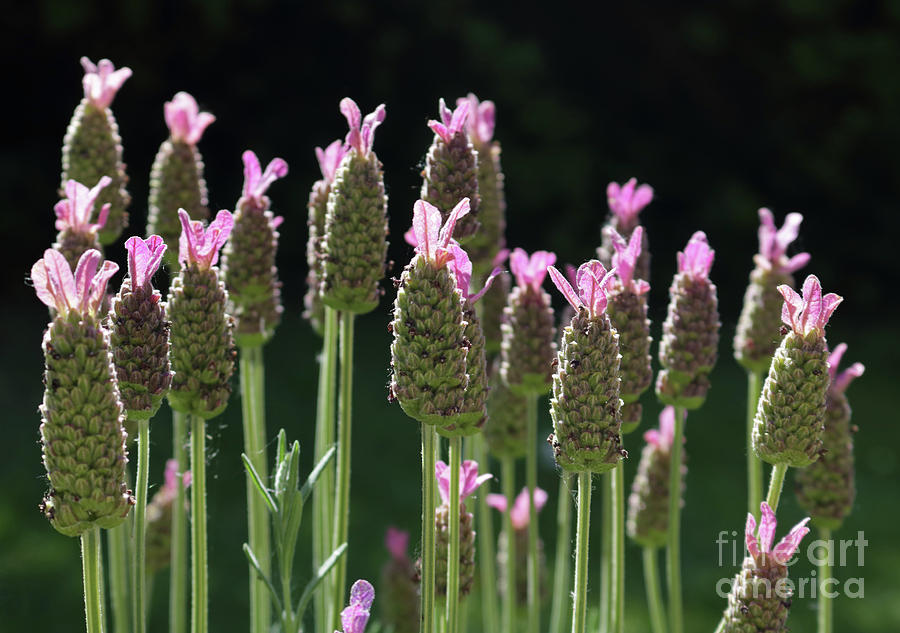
x: 723, y: 107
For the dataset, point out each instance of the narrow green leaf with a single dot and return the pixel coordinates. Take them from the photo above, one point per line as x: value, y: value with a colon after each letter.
x: 314, y: 475
x: 255, y: 565
x: 273, y: 508
x: 318, y: 578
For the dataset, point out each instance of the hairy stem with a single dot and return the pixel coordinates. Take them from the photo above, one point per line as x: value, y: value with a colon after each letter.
x: 606, y: 611
x: 453, y: 547
x: 179, y: 555
x: 487, y: 555
x: 673, y: 550
x: 91, y: 572
x: 559, y: 608
x: 775, y: 485
x: 579, y: 606
x: 428, y: 482
x: 754, y: 464
x: 654, y: 594
x: 199, y: 586
x: 117, y: 549
x: 139, y: 562
x: 826, y: 601
x: 534, y: 599
x: 617, y: 565
x: 508, y: 473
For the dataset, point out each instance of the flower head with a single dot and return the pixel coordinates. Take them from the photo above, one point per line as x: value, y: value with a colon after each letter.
x: 330, y: 159
x: 697, y: 258
x: 481, y: 119
x: 469, y: 479
x: 186, y: 122
x: 74, y: 211
x: 257, y: 181
x: 627, y: 201
x: 355, y: 617
x: 840, y: 381
x: 144, y: 258
x: 362, y: 131
x: 102, y: 81
x: 428, y: 236
x: 530, y: 271
x: 397, y: 542
x: 452, y: 122
x: 592, y: 280
x: 521, y: 510
x: 809, y: 312
x: 773, y: 243
x: 761, y: 546
x: 82, y: 292
x: 625, y: 259
x: 199, y: 245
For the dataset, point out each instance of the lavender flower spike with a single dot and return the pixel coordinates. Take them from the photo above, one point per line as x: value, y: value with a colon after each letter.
x: 452, y: 122
x: 355, y: 616
x: 186, y: 122
x: 77, y: 233
x: 102, y: 81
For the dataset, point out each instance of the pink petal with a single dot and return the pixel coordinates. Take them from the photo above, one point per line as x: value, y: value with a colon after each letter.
x: 446, y: 232
x: 653, y: 437
x: 458, y: 122
x: 750, y: 536
x: 565, y: 288
x: 667, y: 425
x: 498, y: 502
x: 441, y: 130
x: 220, y: 228
x: 397, y: 542
x: 84, y: 275
x: 462, y: 268
x: 98, y: 285
x: 500, y: 257
x: 186, y: 241
x: 445, y: 113
x: 487, y: 285
x: 351, y: 112
x: 829, y: 303
x: 767, y: 525
x: 330, y: 159
x: 813, y: 304
x: 443, y: 478
x: 793, y: 304
x: 642, y: 197
x: 789, y: 544
x: 252, y: 172
x: 138, y: 256
x: 518, y: 263
x: 796, y: 262
x: 426, y: 228
x: 485, y: 122
x: 843, y: 380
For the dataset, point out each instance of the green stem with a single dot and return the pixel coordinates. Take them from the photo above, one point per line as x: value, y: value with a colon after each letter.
x: 825, y: 617
x: 654, y: 594
x: 323, y: 493
x: 754, y: 464
x: 617, y: 564
x: 139, y: 563
x: 721, y: 627
x: 179, y: 554
x: 199, y: 587
x: 673, y: 550
x: 487, y: 555
x: 453, y: 546
x: 253, y: 409
x: 342, y: 493
x: 428, y: 483
x: 579, y: 608
x: 534, y: 598
x: 775, y: 485
x: 508, y: 474
x: 606, y: 556
x: 117, y: 554
x: 559, y: 609
x: 90, y: 566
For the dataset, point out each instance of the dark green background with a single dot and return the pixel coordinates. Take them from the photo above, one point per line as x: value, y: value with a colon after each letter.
x: 723, y: 107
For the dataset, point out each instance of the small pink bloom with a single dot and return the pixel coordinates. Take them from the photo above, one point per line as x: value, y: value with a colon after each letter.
x: 530, y: 271
x: 186, y: 122
x: 102, y: 81
x: 469, y: 479
x: 840, y: 381
x: 74, y: 211
x: 453, y: 122
x: 355, y: 617
x: 762, y: 546
x: 257, y: 181
x: 809, y: 312
x: 362, y: 131
x: 697, y: 258
x: 144, y: 258
x: 428, y: 236
x: 665, y: 435
x: 82, y: 292
x: 330, y: 159
x: 199, y: 245
x: 521, y: 510
x: 773, y: 243
x: 481, y: 119
x: 627, y: 200
x: 397, y: 542
x: 626, y: 257
x: 592, y: 280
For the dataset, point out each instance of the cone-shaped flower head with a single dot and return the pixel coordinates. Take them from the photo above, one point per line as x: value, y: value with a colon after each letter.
x: 519, y: 516
x: 92, y: 150
x: 81, y: 433
x: 202, y: 348
x: 528, y: 344
x: 585, y: 404
x: 760, y: 594
x: 791, y: 412
x: 826, y: 488
x: 354, y: 245
x: 176, y: 179
x: 159, y: 518
x: 689, y: 346
x: 399, y: 600
x: 625, y: 204
x: 139, y: 332
x: 356, y: 615
x: 451, y: 167
x: 757, y: 334
x: 251, y: 276
x: 77, y: 233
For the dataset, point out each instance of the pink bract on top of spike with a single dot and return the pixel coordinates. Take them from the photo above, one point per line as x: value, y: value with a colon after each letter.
x: 257, y: 181
x: 355, y: 617
x: 481, y: 119
x: 592, y: 280
x: 530, y: 271
x: 761, y: 546
x: 102, y: 81
x: 199, y: 245
x: 774, y: 242
x: 809, y: 312
x: 452, y: 122
x: 397, y: 542
x: 840, y: 381
x: 697, y: 258
x: 521, y: 510
x: 74, y: 211
x: 625, y: 259
x: 428, y: 236
x: 185, y: 121
x: 469, y: 479
x: 330, y: 159
x: 462, y: 268
x: 362, y: 131
x: 144, y: 258
x: 662, y: 438
x: 627, y: 200
x: 82, y: 292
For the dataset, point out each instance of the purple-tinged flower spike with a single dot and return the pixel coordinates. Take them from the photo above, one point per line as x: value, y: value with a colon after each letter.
x: 585, y: 404
x: 826, y: 489
x: 82, y: 435
x: 791, y: 412
x: 185, y: 121
x: 689, y: 347
x: 139, y: 333
x: 356, y: 615
x: 248, y: 262
x: 625, y: 204
x: 202, y: 347
x: 92, y: 150
x: 159, y: 518
x: 451, y: 168
x: 761, y: 592
x: 528, y: 343
x: 398, y: 591
x: 757, y: 335
x: 354, y: 243
x: 77, y: 233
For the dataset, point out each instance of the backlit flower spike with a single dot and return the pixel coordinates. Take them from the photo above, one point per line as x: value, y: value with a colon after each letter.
x: 74, y: 211
x: 840, y: 381
x: 453, y: 121
x: 697, y: 258
x: 362, y: 131
x: 480, y: 124
x: 663, y: 437
x: 627, y: 200
x: 257, y: 181
x: 355, y: 617
x: 330, y: 158
x: 431, y: 239
x: 530, y: 271
x: 626, y: 258
x: 185, y: 121
x: 774, y: 242
x: 462, y: 268
x: 763, y: 544
x: 521, y: 510
x: 102, y: 81
x: 397, y: 542
x: 199, y: 245
x: 809, y: 312
x: 144, y: 258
